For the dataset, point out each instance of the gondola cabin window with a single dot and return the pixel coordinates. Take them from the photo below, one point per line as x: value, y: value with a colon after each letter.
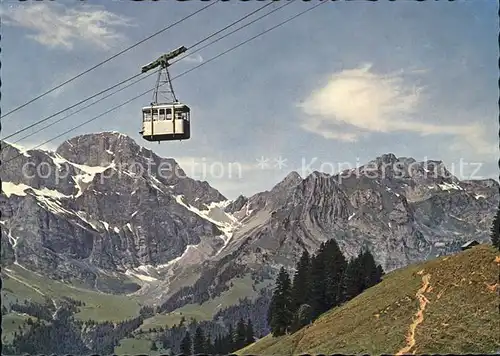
x: 146, y: 115
x: 182, y: 113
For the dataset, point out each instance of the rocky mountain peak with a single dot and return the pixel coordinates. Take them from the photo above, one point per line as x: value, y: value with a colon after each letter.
x: 318, y: 189
x: 387, y: 158
x: 101, y: 149
x: 237, y: 204
x: 389, y: 166
x: 103, y: 201
x: 290, y: 181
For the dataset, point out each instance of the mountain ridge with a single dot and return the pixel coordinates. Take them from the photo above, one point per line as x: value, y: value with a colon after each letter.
x: 171, y: 230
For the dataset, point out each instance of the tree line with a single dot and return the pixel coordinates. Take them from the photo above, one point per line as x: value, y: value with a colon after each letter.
x: 223, y: 334
x: 320, y: 282
x: 39, y: 311
x: 63, y: 334
x: 206, y: 286
x: 204, y: 337
x: 246, y: 309
x: 236, y: 338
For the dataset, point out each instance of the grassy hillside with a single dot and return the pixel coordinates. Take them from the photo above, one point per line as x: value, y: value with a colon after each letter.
x: 447, y: 305
x: 242, y: 287
x: 20, y: 284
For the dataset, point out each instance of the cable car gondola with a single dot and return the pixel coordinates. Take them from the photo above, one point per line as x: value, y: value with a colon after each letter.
x: 169, y: 119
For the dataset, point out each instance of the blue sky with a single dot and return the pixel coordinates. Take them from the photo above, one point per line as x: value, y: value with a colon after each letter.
x: 341, y: 84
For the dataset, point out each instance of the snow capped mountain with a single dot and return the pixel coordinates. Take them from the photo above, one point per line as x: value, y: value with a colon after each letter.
x: 103, y: 211
x: 101, y: 204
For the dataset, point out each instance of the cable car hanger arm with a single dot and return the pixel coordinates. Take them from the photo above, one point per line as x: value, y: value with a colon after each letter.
x: 162, y: 61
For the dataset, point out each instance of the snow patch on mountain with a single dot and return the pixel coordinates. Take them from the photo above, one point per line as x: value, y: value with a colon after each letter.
x: 22, y: 150
x: 215, y: 214
x: 448, y: 186
x: 142, y: 277
x: 9, y: 188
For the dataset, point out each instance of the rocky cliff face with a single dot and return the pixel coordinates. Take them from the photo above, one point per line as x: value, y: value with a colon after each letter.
x: 105, y: 211
x: 101, y: 204
x: 402, y: 210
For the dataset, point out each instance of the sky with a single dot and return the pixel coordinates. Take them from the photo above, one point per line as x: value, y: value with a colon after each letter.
x: 332, y: 89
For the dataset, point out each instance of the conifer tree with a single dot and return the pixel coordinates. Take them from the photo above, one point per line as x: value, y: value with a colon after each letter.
x: 369, y: 270
x: 186, y: 344
x: 362, y: 272
x: 153, y: 346
x: 302, y: 317
x: 350, y: 280
x: 380, y: 272
x: 199, y: 341
x: 335, y: 264
x: 218, y: 346
x: 301, y: 282
x: 240, y: 336
x: 495, y: 230
x: 249, y: 337
x: 317, y: 299
x: 228, y: 343
x: 279, y: 314
x: 209, y: 347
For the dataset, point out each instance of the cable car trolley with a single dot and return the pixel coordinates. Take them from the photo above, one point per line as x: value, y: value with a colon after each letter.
x: 167, y: 119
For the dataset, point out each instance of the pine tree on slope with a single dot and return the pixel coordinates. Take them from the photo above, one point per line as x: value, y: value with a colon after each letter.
x: 249, y: 335
x: 228, y: 341
x: 303, y: 317
x: 198, y: 341
x: 153, y: 346
x: 279, y: 314
x: 217, y: 345
x: 335, y: 264
x: 240, y: 337
x: 495, y: 230
x: 317, y: 299
x: 380, y: 272
x: 370, y: 270
x: 301, y: 282
x: 209, y: 347
x: 351, y: 280
x: 186, y: 344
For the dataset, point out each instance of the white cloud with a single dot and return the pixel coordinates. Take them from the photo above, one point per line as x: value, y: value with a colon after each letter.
x: 58, y: 26
x: 357, y: 102
x: 196, y: 58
